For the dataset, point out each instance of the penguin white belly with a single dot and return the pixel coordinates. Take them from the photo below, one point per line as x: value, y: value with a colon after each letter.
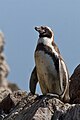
x: 47, y: 73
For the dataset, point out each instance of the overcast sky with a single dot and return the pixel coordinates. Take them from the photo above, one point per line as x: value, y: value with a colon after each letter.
x: 17, y: 21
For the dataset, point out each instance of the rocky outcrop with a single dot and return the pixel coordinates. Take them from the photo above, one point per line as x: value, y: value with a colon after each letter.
x: 22, y: 106
x: 4, y: 68
x: 5, y: 86
x: 75, y: 86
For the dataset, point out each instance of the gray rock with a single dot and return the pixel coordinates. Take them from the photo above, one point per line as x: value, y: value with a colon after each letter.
x: 28, y: 107
x: 75, y: 85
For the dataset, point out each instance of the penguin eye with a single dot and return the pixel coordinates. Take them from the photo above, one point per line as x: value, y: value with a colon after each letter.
x: 43, y: 29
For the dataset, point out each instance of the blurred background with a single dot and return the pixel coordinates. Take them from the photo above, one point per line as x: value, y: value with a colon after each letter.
x: 17, y: 21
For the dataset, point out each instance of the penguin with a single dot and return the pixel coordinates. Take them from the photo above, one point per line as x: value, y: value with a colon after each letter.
x: 50, y: 69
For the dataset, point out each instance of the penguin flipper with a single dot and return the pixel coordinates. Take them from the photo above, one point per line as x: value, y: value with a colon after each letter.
x: 33, y: 81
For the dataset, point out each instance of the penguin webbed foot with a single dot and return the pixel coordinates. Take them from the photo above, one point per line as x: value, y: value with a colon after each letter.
x: 52, y: 95
x: 41, y: 96
x: 48, y: 95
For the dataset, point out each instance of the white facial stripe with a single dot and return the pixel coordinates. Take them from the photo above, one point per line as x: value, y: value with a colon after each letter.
x: 48, y: 42
x: 49, y: 28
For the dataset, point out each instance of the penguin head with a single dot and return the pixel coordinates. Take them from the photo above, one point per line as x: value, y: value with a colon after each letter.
x: 44, y: 31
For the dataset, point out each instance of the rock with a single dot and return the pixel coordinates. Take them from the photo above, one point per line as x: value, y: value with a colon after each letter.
x: 6, y: 104
x: 75, y: 86
x: 4, y: 91
x: 2, y: 41
x: 4, y: 68
x: 24, y: 106
x: 13, y: 87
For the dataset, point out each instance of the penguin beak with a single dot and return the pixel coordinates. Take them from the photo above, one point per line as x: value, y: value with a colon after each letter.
x: 39, y: 29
